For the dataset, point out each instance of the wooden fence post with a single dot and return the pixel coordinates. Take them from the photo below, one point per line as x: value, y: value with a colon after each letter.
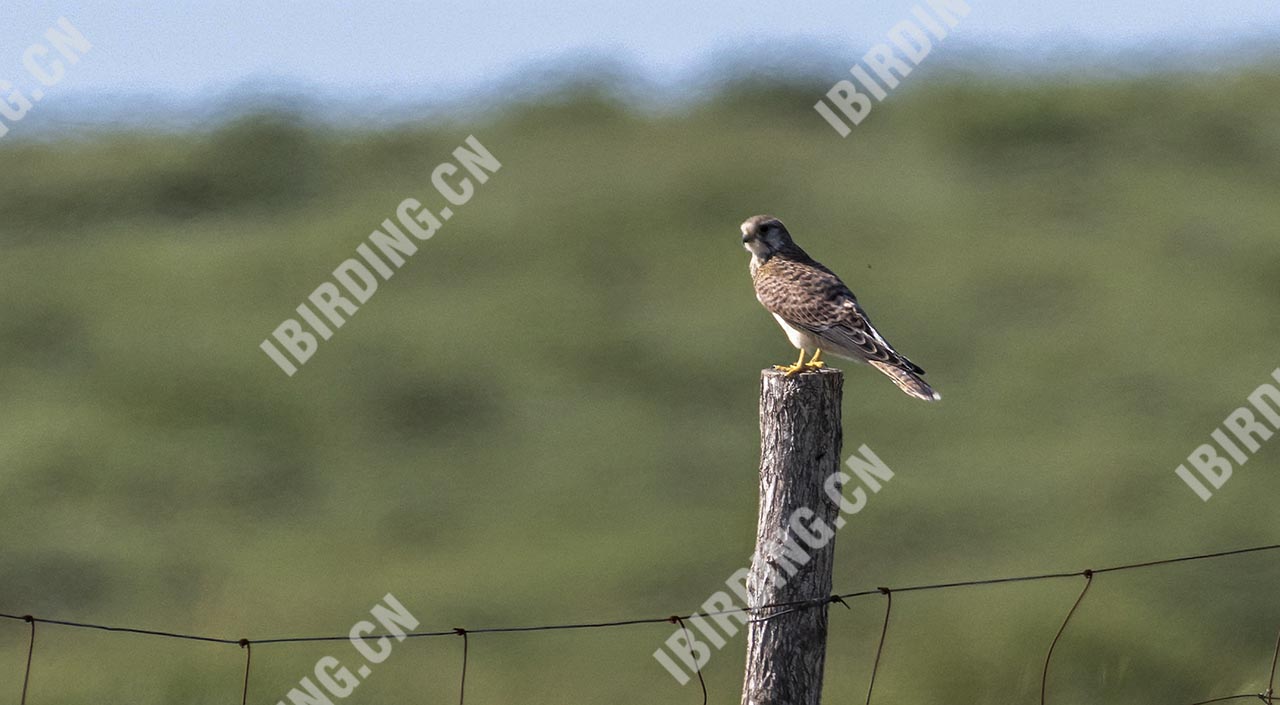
x: 800, y: 439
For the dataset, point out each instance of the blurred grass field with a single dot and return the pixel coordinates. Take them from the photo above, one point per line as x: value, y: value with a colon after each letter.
x: 550, y: 413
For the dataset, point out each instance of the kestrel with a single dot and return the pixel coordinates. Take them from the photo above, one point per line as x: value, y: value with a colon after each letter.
x: 817, y: 311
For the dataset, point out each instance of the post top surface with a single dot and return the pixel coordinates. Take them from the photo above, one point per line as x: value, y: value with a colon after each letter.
x: 770, y: 372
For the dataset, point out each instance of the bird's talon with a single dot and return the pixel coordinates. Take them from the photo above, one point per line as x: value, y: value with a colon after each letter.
x: 797, y: 366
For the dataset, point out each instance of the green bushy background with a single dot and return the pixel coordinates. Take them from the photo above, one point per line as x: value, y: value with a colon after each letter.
x: 549, y: 414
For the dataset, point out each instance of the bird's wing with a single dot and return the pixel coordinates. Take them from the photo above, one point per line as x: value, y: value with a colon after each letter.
x: 811, y: 297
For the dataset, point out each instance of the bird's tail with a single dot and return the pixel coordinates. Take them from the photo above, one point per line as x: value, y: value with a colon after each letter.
x: 908, y: 381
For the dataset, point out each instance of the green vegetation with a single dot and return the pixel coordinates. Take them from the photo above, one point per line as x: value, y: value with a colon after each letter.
x: 550, y: 413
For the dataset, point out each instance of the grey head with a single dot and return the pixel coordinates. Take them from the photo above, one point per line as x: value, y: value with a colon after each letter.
x: 765, y: 236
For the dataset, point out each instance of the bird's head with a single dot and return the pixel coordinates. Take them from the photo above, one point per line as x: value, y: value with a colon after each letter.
x: 765, y: 236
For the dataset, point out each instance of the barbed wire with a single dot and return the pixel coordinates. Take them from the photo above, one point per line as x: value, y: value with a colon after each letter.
x: 790, y: 607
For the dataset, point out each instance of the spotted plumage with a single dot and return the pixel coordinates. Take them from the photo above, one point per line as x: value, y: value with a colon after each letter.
x: 817, y: 311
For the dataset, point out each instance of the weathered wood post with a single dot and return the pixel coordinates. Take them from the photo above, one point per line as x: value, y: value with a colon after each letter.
x: 800, y: 439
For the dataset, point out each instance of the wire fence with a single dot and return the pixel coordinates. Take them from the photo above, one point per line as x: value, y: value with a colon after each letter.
x: 1266, y: 694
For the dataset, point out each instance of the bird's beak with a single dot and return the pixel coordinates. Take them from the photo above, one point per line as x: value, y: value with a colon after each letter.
x: 746, y: 237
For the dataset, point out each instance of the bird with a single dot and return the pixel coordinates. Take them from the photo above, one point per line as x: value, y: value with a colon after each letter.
x: 817, y: 311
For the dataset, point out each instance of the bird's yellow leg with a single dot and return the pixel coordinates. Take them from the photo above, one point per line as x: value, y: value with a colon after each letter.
x: 814, y: 363
x: 792, y: 369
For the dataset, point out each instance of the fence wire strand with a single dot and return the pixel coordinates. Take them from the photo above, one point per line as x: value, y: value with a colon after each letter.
x: 1268, y: 696
x: 1044, y: 677
x: 462, y: 687
x: 1271, y: 679
x: 1243, y: 696
x: 884, y: 632
x: 698, y: 667
x: 31, y: 649
x: 248, y: 658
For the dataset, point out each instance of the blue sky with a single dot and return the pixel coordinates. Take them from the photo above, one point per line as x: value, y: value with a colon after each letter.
x: 427, y: 50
